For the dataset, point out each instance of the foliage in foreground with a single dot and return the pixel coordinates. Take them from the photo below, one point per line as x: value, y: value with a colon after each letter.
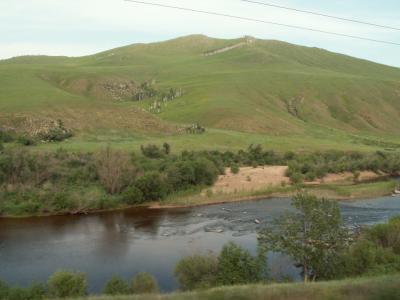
x: 142, y: 283
x: 63, y: 284
x: 234, y: 265
x: 372, y: 288
x: 315, y: 238
x: 313, y: 235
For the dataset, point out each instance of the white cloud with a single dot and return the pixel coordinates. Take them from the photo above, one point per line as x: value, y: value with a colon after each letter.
x: 19, y: 49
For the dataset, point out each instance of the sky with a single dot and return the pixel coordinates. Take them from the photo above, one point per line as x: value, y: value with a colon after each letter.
x: 82, y: 27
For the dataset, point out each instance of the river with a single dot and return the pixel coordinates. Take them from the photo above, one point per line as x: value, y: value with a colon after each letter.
x: 136, y: 240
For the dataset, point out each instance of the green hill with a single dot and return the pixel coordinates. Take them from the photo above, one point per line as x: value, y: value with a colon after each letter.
x: 243, y: 90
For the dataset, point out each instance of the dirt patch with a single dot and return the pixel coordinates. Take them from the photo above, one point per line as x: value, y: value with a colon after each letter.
x: 346, y: 177
x: 251, y: 179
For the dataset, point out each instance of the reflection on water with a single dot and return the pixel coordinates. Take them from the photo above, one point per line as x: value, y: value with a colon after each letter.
x: 124, y: 243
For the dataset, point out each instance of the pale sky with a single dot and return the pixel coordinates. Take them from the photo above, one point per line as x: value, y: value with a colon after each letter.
x: 81, y: 27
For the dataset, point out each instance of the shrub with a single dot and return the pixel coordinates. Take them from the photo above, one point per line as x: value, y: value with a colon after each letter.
x: 37, y: 291
x: 132, y: 195
x: 151, y: 151
x: 296, y: 178
x: 61, y: 202
x: 26, y: 140
x: 56, y: 134
x: 144, y: 283
x: 7, y: 136
x: 205, y: 171
x: 181, y: 175
x: 116, y: 286
x: 167, y: 148
x: 4, y: 290
x: 359, y: 258
x: 106, y: 202
x: 235, y: 168
x: 34, y: 292
x: 64, y: 284
x: 386, y: 235
x: 153, y: 186
x: 238, y: 266
x: 197, y: 271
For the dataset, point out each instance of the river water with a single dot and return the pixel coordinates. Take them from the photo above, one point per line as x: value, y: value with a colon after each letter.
x: 144, y: 240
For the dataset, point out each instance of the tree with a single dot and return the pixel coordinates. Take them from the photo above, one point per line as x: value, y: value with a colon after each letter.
x: 114, y: 170
x: 237, y: 266
x: 116, y: 286
x: 313, y: 235
x: 197, y: 271
x: 64, y: 284
x: 144, y: 283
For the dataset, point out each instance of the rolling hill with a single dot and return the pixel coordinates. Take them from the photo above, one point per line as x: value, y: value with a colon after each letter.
x: 243, y: 90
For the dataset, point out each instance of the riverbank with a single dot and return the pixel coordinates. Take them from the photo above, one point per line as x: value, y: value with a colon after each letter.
x: 336, y: 191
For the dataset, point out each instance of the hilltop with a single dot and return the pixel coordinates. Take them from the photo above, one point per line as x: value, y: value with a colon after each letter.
x: 242, y: 90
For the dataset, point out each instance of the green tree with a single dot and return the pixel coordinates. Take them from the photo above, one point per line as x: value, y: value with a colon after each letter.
x: 313, y: 236
x: 197, y: 271
x: 65, y: 284
x: 144, y: 283
x: 153, y: 186
x: 237, y: 266
x: 116, y: 286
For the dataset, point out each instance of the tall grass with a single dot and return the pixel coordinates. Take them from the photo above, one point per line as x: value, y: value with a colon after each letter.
x: 378, y: 288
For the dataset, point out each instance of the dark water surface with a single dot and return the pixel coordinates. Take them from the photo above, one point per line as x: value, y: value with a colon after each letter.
x: 137, y: 240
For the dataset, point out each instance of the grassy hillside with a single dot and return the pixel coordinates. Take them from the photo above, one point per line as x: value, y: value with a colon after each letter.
x: 257, y: 91
x: 355, y: 289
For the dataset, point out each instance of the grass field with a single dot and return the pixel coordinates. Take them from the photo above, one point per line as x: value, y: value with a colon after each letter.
x: 378, y: 288
x: 283, y: 96
x: 219, y: 139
